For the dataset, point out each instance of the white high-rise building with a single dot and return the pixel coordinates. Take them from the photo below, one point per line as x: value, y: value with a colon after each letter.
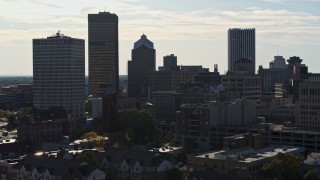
x: 59, y: 73
x: 241, y: 45
x: 278, y: 63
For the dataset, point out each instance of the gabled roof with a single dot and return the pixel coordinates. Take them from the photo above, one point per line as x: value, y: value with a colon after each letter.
x: 143, y: 41
x: 55, y: 166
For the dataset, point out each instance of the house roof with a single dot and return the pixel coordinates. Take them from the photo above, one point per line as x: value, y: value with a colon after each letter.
x: 55, y: 166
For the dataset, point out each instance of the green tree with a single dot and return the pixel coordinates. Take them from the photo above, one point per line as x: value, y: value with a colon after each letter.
x: 56, y: 112
x: 88, y: 157
x: 310, y: 175
x: 12, y: 123
x: 5, y: 113
x: 90, y: 135
x: 175, y: 174
x: 24, y: 112
x: 140, y: 126
x: 283, y: 165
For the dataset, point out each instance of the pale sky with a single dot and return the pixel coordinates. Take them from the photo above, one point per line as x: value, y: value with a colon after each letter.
x: 194, y: 30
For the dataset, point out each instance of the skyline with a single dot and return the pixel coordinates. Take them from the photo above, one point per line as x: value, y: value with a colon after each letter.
x: 196, y: 32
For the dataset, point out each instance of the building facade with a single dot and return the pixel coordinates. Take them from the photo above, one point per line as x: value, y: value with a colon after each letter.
x: 35, y: 132
x: 103, y: 53
x: 170, y: 62
x: 59, y: 73
x: 241, y: 44
x: 140, y: 67
x: 169, y: 80
x: 309, y: 105
x: 269, y: 77
x: 244, y: 86
x: 278, y: 63
x: 194, y: 122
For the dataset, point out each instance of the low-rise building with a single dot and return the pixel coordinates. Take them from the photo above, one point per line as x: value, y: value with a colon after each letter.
x: 134, y: 165
x: 35, y: 132
x: 242, y: 162
x: 41, y: 167
x: 243, y: 140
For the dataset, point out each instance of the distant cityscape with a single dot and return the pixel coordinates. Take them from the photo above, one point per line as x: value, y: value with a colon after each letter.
x: 171, y: 122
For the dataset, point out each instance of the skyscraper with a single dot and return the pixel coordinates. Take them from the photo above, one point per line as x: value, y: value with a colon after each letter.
x: 103, y: 53
x: 139, y: 69
x: 241, y: 45
x: 59, y: 73
x: 278, y: 63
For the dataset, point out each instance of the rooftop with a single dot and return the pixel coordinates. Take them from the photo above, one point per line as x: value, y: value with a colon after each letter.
x: 143, y: 41
x: 247, y: 154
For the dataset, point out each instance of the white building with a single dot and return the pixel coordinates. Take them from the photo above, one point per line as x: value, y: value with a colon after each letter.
x: 59, y: 73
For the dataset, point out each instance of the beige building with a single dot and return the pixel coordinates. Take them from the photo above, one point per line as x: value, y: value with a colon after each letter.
x: 308, y: 107
x: 244, y: 86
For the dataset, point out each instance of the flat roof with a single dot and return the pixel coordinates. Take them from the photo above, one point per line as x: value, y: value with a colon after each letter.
x: 268, y: 153
x: 248, y: 155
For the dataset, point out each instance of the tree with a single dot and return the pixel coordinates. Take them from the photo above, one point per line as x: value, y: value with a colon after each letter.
x: 88, y: 157
x: 283, y: 165
x: 12, y: 123
x: 90, y: 135
x: 140, y: 126
x: 56, y: 112
x: 310, y: 175
x: 175, y: 174
x: 135, y: 127
x: 24, y: 112
x: 5, y: 113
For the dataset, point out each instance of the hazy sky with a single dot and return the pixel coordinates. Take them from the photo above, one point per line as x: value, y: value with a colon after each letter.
x: 194, y: 30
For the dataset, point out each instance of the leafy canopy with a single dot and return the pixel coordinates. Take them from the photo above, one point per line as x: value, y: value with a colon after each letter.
x: 283, y: 165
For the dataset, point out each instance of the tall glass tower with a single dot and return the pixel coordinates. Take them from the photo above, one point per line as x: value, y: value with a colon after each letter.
x: 103, y: 54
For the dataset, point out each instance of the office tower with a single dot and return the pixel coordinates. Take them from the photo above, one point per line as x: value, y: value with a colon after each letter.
x: 139, y: 68
x: 278, y: 63
x: 241, y: 45
x: 59, y: 73
x: 170, y: 62
x: 103, y: 53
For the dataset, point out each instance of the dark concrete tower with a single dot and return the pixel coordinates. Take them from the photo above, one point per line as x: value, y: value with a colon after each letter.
x: 241, y: 45
x: 139, y: 68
